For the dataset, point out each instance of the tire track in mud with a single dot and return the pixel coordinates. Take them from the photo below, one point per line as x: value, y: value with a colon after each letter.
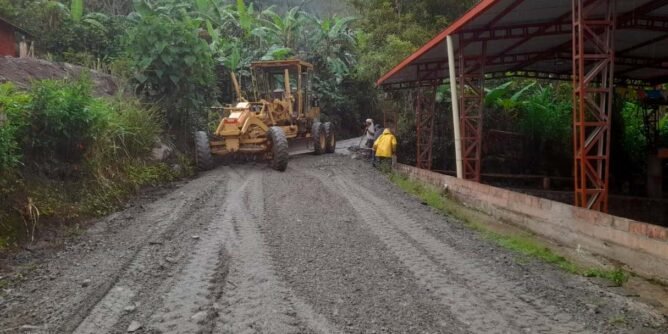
x: 228, y: 284
x: 138, y: 274
x: 255, y: 300
x: 509, y: 298
x: 487, y: 304
x: 189, y: 299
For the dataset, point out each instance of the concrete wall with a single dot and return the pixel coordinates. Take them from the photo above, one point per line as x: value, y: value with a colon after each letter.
x: 649, y: 210
x: 642, y: 247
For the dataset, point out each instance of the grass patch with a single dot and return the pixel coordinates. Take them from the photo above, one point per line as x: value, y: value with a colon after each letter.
x: 616, y: 276
x: 618, y: 321
x: 63, y: 205
x: 523, y: 243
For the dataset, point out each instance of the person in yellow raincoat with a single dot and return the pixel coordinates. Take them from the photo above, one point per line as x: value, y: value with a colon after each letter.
x: 385, y: 148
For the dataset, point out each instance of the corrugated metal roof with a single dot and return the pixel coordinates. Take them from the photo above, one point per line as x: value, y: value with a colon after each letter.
x: 535, y: 36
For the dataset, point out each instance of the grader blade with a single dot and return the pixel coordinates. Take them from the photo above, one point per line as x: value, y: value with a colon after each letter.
x: 300, y: 146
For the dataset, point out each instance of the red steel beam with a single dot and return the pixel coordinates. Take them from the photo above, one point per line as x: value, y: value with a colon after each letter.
x: 640, y: 63
x: 642, y: 10
x: 564, y: 27
x: 471, y: 96
x: 636, y: 18
x: 515, y: 31
x: 646, y: 23
x: 494, y: 21
x: 593, y: 82
x: 425, y: 106
x: 629, y: 16
x: 559, y: 21
x: 643, y: 44
x: 412, y: 84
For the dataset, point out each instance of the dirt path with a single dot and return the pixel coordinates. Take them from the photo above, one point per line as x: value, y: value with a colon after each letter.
x: 329, y: 246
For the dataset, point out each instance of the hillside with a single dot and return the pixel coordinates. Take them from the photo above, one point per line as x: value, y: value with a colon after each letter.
x: 23, y: 71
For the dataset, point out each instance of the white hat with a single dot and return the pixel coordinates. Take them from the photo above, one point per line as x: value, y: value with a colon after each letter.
x: 369, y: 120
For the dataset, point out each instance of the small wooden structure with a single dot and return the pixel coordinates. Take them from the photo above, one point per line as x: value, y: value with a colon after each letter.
x: 13, y: 36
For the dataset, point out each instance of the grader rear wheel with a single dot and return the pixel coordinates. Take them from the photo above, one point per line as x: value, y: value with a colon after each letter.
x: 279, y: 149
x: 319, y: 138
x: 330, y: 135
x: 203, y: 158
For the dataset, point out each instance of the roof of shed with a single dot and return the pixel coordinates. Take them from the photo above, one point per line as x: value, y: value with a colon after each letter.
x: 17, y: 28
x: 534, y: 38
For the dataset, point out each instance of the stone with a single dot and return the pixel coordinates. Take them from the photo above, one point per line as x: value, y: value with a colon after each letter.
x: 161, y: 151
x: 134, y: 326
x: 199, y: 316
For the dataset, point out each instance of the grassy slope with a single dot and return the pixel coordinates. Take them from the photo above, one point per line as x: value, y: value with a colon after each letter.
x: 524, y: 244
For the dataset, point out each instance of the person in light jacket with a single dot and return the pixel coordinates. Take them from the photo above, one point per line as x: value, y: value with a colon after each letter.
x: 369, y: 132
x: 385, y: 148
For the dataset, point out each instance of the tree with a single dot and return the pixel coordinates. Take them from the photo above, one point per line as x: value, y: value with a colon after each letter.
x: 390, y: 30
x: 333, y: 45
x: 174, y: 68
x: 282, y: 31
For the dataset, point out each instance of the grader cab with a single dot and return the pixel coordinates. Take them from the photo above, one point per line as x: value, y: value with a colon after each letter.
x: 284, y: 115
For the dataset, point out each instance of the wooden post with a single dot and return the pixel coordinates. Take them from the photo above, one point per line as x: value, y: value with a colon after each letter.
x: 23, y: 49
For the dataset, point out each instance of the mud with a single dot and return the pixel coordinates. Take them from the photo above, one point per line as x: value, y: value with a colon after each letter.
x: 329, y: 246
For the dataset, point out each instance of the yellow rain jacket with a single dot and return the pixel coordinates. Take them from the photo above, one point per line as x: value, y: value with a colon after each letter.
x: 385, y: 145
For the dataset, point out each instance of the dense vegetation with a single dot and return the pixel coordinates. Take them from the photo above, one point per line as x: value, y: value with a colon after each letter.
x: 66, y: 154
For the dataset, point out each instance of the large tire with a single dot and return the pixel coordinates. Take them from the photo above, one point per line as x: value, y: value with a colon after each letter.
x: 279, y: 149
x: 319, y: 138
x: 330, y: 135
x: 203, y: 158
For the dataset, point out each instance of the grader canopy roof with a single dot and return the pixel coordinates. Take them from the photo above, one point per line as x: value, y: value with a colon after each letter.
x: 280, y: 63
x: 534, y: 38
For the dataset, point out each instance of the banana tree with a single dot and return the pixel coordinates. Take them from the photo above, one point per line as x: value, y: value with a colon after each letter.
x: 282, y: 31
x: 332, y: 44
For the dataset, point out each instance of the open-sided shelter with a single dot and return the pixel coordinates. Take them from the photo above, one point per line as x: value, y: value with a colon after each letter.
x: 597, y: 44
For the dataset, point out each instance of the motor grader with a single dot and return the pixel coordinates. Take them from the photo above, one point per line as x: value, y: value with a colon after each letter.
x: 283, y: 117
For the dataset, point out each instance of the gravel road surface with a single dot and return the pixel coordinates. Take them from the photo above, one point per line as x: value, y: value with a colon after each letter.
x: 329, y: 246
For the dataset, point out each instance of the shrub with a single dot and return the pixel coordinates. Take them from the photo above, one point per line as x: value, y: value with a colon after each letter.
x: 12, y: 124
x: 9, y: 154
x: 663, y: 131
x: 124, y: 130
x: 61, y: 120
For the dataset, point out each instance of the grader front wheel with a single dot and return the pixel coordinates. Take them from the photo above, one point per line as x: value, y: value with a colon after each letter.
x: 279, y: 149
x: 203, y: 158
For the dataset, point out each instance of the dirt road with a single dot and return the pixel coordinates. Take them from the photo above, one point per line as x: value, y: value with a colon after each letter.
x: 329, y: 246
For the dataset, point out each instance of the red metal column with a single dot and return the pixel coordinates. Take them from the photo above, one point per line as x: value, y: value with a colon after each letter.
x: 471, y: 95
x: 593, y: 77
x: 425, y: 105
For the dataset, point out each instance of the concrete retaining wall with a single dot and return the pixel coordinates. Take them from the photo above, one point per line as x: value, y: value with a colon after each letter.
x: 642, y: 247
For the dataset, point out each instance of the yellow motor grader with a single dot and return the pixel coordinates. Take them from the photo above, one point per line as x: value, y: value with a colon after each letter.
x: 285, y: 113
